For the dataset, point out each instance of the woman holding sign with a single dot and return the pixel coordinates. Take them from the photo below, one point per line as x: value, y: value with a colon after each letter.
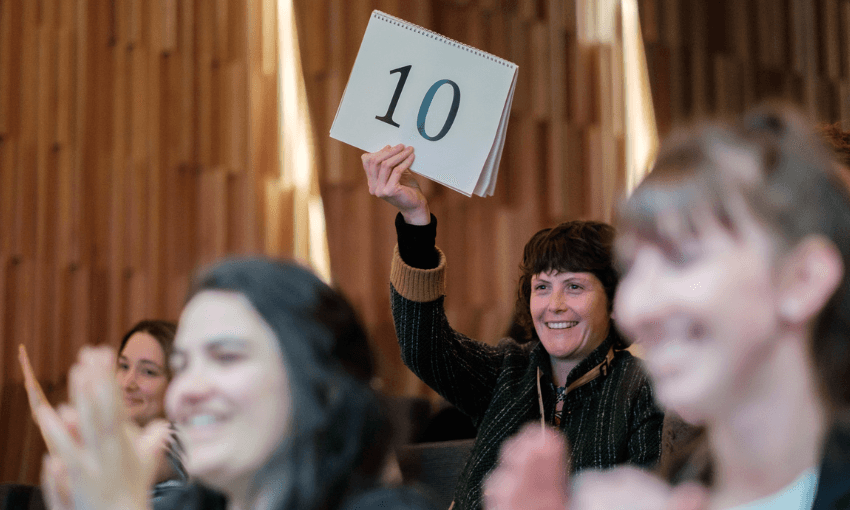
x: 575, y: 375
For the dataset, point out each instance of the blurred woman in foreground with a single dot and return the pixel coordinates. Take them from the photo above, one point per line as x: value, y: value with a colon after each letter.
x: 270, y: 394
x: 735, y: 251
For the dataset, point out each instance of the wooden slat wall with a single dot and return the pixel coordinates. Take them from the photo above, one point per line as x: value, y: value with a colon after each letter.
x: 130, y: 153
x: 138, y: 139
x: 725, y: 55
x: 565, y: 143
x: 556, y: 127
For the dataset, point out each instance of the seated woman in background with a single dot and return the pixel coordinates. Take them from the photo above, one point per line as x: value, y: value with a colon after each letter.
x: 143, y: 374
x: 736, y: 251
x: 270, y: 395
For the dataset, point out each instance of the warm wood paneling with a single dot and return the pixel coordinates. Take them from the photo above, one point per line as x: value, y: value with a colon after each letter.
x: 127, y: 139
x: 723, y: 56
x: 565, y: 153
x: 139, y: 139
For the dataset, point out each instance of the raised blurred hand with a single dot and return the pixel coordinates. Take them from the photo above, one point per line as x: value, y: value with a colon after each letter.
x: 100, y: 460
x: 630, y: 488
x: 531, y: 473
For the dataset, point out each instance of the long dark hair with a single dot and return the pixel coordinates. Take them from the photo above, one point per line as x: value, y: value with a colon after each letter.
x: 338, y: 438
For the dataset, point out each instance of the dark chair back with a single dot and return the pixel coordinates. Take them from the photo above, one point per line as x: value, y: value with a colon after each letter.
x: 14, y: 496
x: 435, y: 466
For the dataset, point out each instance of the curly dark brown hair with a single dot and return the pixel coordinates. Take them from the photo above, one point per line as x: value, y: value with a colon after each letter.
x: 573, y: 246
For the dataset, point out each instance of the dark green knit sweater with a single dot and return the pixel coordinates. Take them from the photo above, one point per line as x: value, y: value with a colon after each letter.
x: 611, y: 420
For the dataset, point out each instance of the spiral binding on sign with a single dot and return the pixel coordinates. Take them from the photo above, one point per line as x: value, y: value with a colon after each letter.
x: 434, y: 35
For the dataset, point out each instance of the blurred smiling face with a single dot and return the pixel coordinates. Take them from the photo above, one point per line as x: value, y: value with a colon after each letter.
x: 229, y: 396
x: 705, y: 312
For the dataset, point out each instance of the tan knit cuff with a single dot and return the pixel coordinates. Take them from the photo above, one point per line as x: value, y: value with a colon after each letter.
x: 420, y: 285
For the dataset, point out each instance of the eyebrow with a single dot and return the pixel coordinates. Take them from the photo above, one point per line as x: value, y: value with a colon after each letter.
x: 226, y: 341
x: 215, y: 343
x: 574, y: 278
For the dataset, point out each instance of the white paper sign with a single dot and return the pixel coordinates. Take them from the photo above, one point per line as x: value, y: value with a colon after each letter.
x: 449, y: 101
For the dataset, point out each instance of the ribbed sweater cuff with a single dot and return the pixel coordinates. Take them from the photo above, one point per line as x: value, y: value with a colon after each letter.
x: 420, y: 285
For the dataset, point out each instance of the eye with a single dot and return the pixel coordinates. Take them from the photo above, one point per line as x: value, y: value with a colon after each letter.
x: 150, y: 372
x: 539, y: 286
x: 227, y: 357
x: 681, y: 254
x: 574, y: 286
x: 123, y: 366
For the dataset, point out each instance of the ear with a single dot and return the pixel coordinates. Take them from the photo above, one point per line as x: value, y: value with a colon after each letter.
x: 810, y: 274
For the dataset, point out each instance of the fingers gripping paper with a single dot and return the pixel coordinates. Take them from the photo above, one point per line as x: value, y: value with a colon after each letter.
x: 450, y: 101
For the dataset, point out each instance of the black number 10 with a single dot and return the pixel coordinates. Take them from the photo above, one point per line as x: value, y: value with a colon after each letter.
x: 425, y: 106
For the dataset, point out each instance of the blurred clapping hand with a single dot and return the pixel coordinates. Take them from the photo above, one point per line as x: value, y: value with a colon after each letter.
x: 532, y: 475
x: 98, y: 458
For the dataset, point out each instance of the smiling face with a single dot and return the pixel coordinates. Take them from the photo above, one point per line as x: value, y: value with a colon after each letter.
x: 230, y: 393
x: 142, y: 376
x: 569, y: 312
x: 704, y: 311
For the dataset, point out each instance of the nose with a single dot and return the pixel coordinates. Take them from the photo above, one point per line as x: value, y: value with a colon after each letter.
x: 128, y: 379
x: 191, y: 386
x: 557, y: 301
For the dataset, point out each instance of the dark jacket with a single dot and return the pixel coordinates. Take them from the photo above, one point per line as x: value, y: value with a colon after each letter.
x: 198, y: 497
x: 833, y: 492
x: 609, y: 421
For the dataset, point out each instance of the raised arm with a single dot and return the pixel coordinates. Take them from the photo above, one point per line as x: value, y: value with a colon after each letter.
x: 461, y: 370
x: 35, y: 394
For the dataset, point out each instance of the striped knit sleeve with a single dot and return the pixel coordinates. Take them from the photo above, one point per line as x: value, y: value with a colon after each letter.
x: 646, y: 421
x: 461, y: 370
x: 179, y: 478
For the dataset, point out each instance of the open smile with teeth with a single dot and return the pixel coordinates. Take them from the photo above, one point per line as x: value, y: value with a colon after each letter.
x: 201, y: 420
x: 561, y: 325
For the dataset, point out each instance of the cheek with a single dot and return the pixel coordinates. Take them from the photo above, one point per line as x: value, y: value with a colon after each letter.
x: 690, y: 376
x: 598, y: 308
x: 537, y: 306
x: 160, y: 391
x: 172, y: 398
x: 156, y: 394
x: 624, y: 313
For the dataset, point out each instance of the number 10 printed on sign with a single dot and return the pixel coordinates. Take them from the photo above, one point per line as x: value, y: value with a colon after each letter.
x: 449, y: 101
